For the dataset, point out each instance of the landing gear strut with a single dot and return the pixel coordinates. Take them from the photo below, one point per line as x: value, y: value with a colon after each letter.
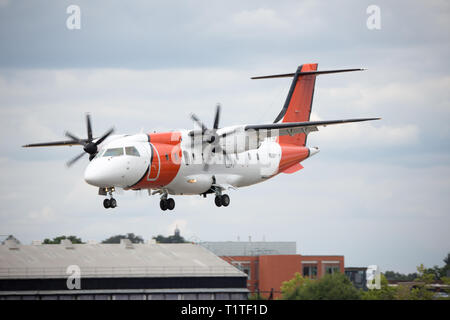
x: 166, y: 203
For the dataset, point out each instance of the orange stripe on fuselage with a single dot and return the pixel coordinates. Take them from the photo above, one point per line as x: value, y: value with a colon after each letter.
x: 166, y: 160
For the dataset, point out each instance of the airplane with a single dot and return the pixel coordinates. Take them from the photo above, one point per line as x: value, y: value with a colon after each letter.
x: 206, y: 160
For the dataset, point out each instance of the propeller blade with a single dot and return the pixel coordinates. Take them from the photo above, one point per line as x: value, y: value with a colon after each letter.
x: 78, y: 157
x: 217, y: 117
x: 52, y: 144
x: 197, y: 120
x: 106, y: 135
x: 89, y: 127
x: 73, y: 137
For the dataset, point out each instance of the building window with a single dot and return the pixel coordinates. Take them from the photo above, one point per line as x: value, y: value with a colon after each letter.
x: 332, y: 269
x: 310, y: 271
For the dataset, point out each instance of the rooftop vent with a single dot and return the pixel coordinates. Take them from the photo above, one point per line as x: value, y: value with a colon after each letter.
x: 126, y: 243
x: 67, y: 244
x: 12, y: 244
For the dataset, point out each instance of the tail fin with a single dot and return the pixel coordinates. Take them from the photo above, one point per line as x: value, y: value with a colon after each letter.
x: 298, y: 105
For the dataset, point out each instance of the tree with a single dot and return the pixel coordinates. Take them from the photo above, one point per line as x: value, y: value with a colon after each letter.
x: 395, y: 276
x: 289, y: 288
x: 130, y: 236
x: 330, y: 287
x: 57, y: 240
x: 176, y: 238
x: 446, y: 268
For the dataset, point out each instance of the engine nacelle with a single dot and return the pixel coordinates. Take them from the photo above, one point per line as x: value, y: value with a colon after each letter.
x: 238, y: 140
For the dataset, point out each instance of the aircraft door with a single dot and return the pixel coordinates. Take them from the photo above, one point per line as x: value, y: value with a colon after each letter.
x: 155, y: 164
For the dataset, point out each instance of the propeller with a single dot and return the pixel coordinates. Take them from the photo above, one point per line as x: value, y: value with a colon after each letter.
x: 89, y: 145
x: 209, y: 136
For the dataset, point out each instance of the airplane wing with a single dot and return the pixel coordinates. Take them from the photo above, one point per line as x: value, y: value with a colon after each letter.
x: 292, y: 128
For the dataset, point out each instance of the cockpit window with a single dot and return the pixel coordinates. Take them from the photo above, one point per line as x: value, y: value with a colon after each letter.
x: 113, y: 152
x: 131, y: 151
x: 100, y: 153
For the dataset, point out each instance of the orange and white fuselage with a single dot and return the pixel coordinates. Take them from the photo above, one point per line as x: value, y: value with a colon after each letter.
x: 169, y: 162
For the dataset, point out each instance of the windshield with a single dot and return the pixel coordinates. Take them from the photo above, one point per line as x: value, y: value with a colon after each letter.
x: 113, y: 152
x: 131, y: 151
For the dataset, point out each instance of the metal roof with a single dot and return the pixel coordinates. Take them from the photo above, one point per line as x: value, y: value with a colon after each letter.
x: 250, y: 248
x: 110, y: 260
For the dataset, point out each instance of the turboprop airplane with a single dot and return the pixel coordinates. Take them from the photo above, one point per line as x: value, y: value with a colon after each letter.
x: 206, y: 160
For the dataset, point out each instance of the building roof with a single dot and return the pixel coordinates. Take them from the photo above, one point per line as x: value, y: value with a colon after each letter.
x: 250, y: 248
x: 110, y: 260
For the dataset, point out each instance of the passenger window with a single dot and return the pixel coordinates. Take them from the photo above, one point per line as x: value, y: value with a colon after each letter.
x: 131, y: 151
x: 113, y: 152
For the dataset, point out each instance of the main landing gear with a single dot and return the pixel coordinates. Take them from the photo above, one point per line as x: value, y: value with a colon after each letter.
x: 166, y: 203
x: 221, y: 199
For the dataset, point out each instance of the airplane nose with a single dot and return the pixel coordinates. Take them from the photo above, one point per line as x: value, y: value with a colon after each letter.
x: 94, y: 176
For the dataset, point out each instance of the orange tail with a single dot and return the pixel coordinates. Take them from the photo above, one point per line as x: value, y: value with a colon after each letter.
x: 297, y: 107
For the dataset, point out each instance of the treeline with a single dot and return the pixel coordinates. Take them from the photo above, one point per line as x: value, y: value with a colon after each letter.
x: 176, y: 238
x: 437, y: 273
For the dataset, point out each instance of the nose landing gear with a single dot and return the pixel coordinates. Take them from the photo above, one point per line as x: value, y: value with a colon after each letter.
x: 109, y: 203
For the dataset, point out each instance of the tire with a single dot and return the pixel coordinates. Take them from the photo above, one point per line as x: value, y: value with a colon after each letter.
x: 225, y: 200
x: 107, y: 203
x: 218, y: 201
x: 113, y: 203
x: 170, y: 204
x: 163, y: 205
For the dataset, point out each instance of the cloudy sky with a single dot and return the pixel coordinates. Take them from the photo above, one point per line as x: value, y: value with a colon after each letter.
x: 377, y: 193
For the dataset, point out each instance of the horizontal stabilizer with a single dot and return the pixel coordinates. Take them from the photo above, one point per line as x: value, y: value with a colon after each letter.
x: 291, y: 125
x: 305, y: 73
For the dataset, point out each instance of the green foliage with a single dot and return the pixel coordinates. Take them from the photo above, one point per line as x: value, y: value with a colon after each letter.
x: 176, y: 238
x: 57, y: 240
x: 130, y: 236
x: 289, y: 288
x: 395, y: 276
x: 330, y: 287
x: 256, y: 296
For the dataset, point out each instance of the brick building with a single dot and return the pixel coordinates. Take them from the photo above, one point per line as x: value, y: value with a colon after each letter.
x: 269, y: 264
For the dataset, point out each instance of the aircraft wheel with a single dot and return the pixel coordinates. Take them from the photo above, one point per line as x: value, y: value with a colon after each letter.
x: 225, y: 200
x: 107, y: 203
x: 113, y: 203
x: 218, y: 201
x: 163, y: 204
x: 170, y: 203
